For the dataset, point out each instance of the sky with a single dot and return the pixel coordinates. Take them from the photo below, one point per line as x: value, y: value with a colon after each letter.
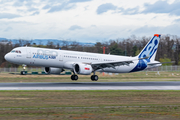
x: 88, y: 20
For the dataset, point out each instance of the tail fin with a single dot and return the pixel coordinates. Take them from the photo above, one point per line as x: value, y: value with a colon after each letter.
x: 150, y: 49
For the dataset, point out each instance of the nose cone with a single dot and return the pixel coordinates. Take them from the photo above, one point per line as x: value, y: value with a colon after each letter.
x: 7, y: 57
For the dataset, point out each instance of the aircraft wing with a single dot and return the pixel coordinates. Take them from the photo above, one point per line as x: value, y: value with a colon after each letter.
x: 101, y: 65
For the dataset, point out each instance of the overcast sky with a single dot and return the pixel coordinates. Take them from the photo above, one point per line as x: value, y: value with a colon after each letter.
x: 88, y: 20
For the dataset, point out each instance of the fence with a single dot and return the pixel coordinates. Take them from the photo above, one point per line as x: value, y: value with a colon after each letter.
x: 165, y: 68
x: 40, y: 69
x: 15, y: 70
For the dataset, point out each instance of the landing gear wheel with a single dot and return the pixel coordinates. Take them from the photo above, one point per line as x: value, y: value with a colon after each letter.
x: 94, y: 78
x: 23, y: 72
x: 74, y: 77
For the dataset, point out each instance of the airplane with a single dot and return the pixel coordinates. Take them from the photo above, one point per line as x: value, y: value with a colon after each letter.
x: 84, y: 63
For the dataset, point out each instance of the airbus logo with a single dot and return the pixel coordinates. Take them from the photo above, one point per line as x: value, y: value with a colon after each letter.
x: 45, y: 54
x: 41, y: 56
x: 44, y: 57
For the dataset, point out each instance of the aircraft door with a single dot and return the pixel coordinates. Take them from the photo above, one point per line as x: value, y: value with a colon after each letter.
x: 100, y: 59
x: 60, y: 56
x: 28, y: 52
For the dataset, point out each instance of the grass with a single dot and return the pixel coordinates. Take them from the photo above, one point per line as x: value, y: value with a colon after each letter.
x: 138, y: 76
x: 100, y: 104
x: 97, y: 104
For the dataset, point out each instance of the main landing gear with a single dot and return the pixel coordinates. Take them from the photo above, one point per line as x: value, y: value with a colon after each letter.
x: 74, y: 77
x: 94, y: 78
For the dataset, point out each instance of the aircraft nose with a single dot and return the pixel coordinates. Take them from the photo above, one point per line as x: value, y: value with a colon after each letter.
x: 7, y: 57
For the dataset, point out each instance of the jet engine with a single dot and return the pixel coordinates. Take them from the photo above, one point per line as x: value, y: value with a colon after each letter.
x: 83, y: 69
x: 51, y: 70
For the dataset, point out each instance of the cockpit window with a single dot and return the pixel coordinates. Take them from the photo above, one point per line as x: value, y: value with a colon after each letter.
x: 15, y: 51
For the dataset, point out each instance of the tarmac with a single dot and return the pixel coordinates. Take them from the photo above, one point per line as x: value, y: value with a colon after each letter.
x: 92, y: 86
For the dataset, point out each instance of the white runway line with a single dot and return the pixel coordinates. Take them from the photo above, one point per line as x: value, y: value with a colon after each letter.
x: 96, y: 88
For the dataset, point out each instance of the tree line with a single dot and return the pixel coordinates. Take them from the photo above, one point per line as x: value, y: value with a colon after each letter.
x: 168, y: 50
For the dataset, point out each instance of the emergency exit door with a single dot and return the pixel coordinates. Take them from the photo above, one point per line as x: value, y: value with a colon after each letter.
x: 28, y: 52
x: 60, y: 56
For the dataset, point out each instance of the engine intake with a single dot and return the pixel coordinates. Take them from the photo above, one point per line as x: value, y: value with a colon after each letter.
x: 51, y: 70
x: 83, y: 69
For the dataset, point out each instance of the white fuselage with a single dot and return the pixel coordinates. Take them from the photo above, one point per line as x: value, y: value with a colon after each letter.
x: 65, y: 59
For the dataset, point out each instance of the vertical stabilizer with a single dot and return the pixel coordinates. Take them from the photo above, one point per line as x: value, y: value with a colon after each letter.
x: 150, y: 49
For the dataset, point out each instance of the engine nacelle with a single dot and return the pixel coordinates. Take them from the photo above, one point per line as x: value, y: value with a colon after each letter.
x: 83, y: 69
x: 51, y: 70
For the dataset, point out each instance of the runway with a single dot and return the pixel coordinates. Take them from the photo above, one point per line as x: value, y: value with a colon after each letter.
x: 92, y: 86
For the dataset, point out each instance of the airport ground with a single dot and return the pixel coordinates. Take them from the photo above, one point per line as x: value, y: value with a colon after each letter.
x: 96, y: 104
x: 126, y: 77
x: 118, y: 104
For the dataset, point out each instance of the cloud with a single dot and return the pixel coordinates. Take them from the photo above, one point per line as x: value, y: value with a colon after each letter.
x: 63, y: 6
x: 163, y: 7
x: 27, y: 7
x: 24, y: 2
x: 30, y: 9
x: 93, y: 26
x: 18, y: 4
x: 55, y: 6
x: 177, y: 20
x: 8, y: 15
x: 47, y: 7
x: 129, y: 11
x: 157, y: 7
x: 8, y: 29
x: 145, y: 30
x: 75, y: 1
x: 35, y: 13
x: 105, y: 7
x: 75, y: 27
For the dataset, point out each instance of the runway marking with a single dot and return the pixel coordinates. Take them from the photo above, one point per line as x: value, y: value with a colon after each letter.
x: 92, y: 86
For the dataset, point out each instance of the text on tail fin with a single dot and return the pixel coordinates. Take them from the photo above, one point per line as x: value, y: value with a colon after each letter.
x: 151, y: 48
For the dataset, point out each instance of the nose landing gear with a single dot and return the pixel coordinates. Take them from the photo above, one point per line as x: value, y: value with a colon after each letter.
x: 24, y: 72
